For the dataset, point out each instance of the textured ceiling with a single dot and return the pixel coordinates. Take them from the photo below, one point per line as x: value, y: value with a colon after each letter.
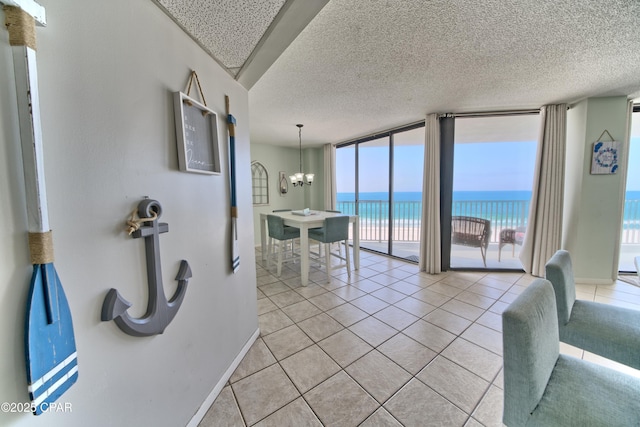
x: 361, y: 67
x: 364, y: 66
x: 228, y: 29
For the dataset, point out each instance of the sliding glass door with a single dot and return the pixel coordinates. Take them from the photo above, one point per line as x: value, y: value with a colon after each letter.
x: 373, y: 194
x: 346, y: 180
x: 408, y: 160
x: 630, y: 241
x: 487, y: 172
x: 493, y: 168
x: 380, y: 179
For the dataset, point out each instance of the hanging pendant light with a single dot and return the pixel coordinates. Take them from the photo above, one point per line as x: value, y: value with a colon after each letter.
x: 300, y: 178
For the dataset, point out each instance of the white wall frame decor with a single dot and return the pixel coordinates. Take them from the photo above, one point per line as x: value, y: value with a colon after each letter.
x: 604, y: 160
x: 197, y: 136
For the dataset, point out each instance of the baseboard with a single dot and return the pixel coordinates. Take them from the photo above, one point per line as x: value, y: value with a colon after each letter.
x: 198, y: 416
x: 580, y: 281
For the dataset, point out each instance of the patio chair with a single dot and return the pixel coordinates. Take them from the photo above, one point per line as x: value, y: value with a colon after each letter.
x: 510, y: 236
x: 609, y: 331
x: 335, y: 229
x: 281, y: 234
x: 545, y: 388
x: 470, y: 231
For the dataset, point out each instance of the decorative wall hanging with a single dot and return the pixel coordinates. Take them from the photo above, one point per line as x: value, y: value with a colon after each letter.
x: 50, y: 347
x: 196, y: 133
x: 604, y: 156
x: 283, y: 184
x: 259, y: 184
x: 160, y: 312
x: 231, y: 125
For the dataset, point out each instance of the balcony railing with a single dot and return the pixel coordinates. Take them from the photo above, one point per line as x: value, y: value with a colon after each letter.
x: 374, y: 218
x: 631, y: 222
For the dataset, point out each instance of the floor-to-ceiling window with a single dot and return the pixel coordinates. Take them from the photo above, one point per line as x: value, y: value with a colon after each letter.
x: 373, y: 194
x: 630, y: 239
x: 346, y: 179
x: 380, y: 179
x: 494, y: 162
x: 408, y: 161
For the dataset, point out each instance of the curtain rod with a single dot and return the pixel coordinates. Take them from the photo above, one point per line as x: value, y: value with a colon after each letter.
x: 420, y: 123
x: 496, y: 113
x: 376, y: 135
x: 500, y: 113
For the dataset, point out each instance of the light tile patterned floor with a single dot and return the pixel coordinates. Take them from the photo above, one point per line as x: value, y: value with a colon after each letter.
x: 389, y: 347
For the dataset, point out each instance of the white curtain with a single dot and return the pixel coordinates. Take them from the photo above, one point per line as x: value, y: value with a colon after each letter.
x: 544, y: 230
x: 430, y: 253
x: 329, y: 176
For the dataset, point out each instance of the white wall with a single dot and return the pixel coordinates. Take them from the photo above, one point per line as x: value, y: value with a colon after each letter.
x: 593, y: 221
x: 574, y: 170
x: 107, y: 70
x: 314, y: 159
x: 276, y: 159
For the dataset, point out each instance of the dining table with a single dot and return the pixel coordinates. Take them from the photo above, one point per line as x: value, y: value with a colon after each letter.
x: 313, y: 219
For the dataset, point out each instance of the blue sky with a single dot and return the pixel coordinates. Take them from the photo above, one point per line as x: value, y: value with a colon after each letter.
x: 494, y: 166
x: 633, y: 175
x: 478, y: 167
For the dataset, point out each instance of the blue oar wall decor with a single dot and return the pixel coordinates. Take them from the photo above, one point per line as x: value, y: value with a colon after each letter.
x: 231, y: 125
x: 50, y: 348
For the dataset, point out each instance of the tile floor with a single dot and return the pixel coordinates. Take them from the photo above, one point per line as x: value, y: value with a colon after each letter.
x: 389, y: 347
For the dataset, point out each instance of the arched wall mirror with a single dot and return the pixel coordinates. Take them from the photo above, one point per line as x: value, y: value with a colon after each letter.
x: 260, y: 184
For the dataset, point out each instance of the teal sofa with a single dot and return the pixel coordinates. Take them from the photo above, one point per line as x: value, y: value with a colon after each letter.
x: 606, y: 330
x: 545, y: 388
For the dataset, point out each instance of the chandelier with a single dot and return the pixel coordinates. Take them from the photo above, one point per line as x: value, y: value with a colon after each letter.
x: 298, y: 179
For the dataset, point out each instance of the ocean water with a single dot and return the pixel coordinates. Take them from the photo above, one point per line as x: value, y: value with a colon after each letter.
x: 502, y: 207
x: 416, y: 196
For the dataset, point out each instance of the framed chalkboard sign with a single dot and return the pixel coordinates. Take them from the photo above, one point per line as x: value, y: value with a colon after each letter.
x: 197, y: 136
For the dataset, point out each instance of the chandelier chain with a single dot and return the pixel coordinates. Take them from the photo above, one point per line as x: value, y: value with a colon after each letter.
x: 300, y: 145
x: 300, y: 179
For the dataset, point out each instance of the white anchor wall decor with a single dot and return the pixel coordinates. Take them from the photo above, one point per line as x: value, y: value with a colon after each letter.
x: 160, y: 312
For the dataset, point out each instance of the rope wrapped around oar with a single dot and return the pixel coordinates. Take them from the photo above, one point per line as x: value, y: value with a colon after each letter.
x: 41, y: 247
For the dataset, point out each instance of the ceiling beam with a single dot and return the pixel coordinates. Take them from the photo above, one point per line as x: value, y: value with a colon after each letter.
x: 294, y: 16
